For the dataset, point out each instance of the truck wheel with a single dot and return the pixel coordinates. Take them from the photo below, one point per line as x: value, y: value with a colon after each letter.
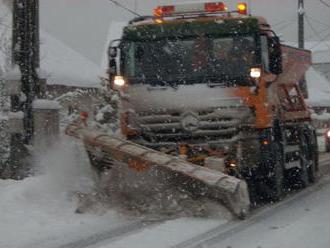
x: 305, y: 172
x: 276, y: 181
x: 313, y: 159
x: 253, y: 193
x: 312, y: 171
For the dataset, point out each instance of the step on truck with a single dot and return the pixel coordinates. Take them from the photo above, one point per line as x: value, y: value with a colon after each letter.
x: 213, y: 96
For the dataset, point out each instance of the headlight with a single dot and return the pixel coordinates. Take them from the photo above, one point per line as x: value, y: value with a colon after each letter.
x: 119, y: 81
x: 255, y: 73
x: 328, y: 134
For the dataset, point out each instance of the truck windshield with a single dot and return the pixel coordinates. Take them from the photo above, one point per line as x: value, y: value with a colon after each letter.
x: 191, y: 60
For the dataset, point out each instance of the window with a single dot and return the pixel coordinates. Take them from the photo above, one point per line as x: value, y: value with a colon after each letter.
x: 265, y: 52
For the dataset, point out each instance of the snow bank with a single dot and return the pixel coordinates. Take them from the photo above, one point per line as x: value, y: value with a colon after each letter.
x: 39, y: 212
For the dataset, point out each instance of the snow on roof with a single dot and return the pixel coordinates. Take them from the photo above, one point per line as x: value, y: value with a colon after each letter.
x: 62, y: 64
x: 5, y: 33
x: 318, y: 87
x: 46, y: 104
x: 66, y: 66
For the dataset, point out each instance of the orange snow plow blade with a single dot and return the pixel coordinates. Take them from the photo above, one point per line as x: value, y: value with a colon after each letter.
x: 232, y: 191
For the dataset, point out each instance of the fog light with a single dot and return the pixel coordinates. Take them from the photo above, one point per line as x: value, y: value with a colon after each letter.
x: 328, y: 134
x: 255, y: 73
x: 119, y: 81
x: 233, y: 164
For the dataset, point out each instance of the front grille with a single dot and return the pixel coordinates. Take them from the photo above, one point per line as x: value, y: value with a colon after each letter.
x: 213, y: 125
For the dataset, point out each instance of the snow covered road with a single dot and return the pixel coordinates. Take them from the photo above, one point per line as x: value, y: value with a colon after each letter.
x: 302, y: 221
x: 39, y: 212
x: 298, y: 221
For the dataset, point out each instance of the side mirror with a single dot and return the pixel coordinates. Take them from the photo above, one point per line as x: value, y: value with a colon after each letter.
x: 113, y: 61
x: 113, y: 52
x: 275, y: 55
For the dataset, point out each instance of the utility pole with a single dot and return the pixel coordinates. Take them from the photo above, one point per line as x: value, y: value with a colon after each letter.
x: 301, y: 42
x: 26, y: 56
x: 301, y: 24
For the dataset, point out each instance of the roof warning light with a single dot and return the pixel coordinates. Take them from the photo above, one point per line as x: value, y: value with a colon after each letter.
x: 242, y: 8
x: 210, y: 7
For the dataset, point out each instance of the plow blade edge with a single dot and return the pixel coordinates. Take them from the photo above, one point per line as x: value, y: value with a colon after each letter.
x: 232, y: 191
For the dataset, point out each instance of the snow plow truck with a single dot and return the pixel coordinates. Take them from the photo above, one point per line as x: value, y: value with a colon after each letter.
x: 212, y: 96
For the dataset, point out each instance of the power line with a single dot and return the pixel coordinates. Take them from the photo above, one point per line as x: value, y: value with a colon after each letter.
x: 325, y: 3
x: 324, y: 38
x: 315, y: 32
x: 284, y: 22
x: 318, y: 21
x: 280, y: 23
x: 311, y: 35
x: 125, y: 8
x: 285, y: 25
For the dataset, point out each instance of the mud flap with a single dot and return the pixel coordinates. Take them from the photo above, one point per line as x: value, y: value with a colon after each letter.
x: 232, y: 191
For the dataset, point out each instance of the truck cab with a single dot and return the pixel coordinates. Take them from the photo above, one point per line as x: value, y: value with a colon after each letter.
x: 215, y: 87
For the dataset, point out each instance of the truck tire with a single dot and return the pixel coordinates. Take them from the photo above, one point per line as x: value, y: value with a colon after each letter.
x: 313, y: 157
x: 276, y: 181
x: 306, y: 170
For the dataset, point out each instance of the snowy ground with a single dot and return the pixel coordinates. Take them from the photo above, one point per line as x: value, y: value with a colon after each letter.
x: 39, y: 212
x: 303, y: 222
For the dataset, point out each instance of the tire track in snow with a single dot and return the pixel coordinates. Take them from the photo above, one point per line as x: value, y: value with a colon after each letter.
x: 112, y: 234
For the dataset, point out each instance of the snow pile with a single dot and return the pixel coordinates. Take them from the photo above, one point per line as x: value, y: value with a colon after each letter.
x: 106, y: 118
x: 39, y: 211
x: 321, y: 117
x: 156, y: 193
x: 318, y: 88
